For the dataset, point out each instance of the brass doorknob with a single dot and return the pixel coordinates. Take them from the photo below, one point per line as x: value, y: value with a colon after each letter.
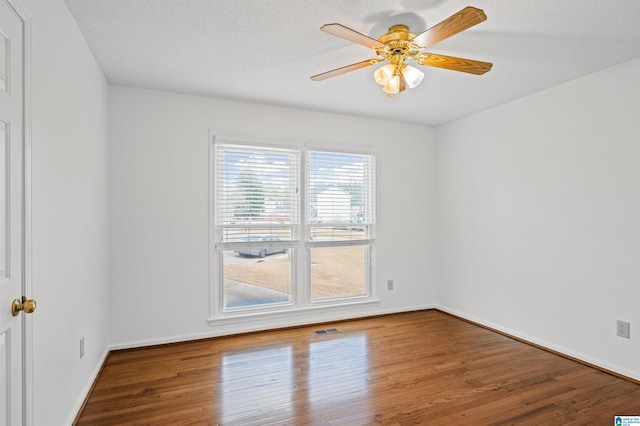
x: 28, y: 306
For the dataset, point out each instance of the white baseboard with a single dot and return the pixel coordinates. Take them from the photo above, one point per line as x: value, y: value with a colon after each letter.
x: 85, y: 392
x: 545, y: 344
x: 261, y: 326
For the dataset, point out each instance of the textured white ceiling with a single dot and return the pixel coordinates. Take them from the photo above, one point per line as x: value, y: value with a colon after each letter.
x: 265, y: 50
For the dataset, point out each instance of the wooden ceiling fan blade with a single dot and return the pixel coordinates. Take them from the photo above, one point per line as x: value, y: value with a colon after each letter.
x: 342, y: 70
x: 347, y: 33
x: 460, y: 21
x: 452, y: 63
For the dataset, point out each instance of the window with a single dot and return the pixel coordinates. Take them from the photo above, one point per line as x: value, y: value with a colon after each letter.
x: 340, y: 217
x: 257, y: 222
x: 293, y: 227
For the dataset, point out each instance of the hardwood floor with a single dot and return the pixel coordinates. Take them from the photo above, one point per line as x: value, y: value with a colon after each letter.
x: 416, y: 368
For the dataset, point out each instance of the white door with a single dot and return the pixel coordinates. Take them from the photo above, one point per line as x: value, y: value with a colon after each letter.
x: 12, y: 201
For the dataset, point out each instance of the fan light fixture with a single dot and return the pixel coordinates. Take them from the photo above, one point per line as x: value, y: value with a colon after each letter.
x: 399, y: 45
x: 391, y: 77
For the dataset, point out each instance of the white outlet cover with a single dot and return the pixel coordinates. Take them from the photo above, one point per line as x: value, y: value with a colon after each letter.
x: 623, y: 329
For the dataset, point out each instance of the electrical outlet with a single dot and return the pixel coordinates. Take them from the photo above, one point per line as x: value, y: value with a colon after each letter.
x: 389, y: 284
x: 81, y: 347
x: 623, y: 329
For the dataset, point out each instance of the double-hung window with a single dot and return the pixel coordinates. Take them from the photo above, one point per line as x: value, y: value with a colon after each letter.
x: 293, y: 227
x: 339, y: 210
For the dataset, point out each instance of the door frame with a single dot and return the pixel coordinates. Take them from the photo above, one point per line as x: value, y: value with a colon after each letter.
x: 27, y: 283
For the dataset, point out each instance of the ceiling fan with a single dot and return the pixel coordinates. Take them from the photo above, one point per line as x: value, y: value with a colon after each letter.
x: 399, y: 45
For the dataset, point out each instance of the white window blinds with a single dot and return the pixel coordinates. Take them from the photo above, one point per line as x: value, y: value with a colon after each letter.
x: 340, y: 195
x: 257, y: 192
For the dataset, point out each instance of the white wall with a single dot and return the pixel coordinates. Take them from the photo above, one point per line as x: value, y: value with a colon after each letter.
x: 70, y: 212
x: 159, y: 207
x: 538, y: 214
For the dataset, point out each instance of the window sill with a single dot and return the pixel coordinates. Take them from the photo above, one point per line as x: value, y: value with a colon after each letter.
x: 294, y: 313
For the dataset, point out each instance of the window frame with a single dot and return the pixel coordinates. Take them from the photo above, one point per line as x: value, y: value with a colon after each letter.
x: 299, y: 249
x: 368, y: 243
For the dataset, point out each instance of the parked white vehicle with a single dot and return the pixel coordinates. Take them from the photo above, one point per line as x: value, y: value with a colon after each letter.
x: 260, y: 252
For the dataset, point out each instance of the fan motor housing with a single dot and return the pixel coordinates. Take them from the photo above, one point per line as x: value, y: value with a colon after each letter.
x: 397, y: 32
x: 398, y: 41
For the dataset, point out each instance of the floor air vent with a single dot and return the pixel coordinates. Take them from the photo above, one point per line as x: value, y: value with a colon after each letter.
x: 326, y: 331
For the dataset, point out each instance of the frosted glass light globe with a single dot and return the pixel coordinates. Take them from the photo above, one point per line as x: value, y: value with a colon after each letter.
x: 412, y: 76
x: 393, y: 85
x: 383, y: 74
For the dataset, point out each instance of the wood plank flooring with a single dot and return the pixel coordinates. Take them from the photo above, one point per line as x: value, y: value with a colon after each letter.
x: 417, y: 368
